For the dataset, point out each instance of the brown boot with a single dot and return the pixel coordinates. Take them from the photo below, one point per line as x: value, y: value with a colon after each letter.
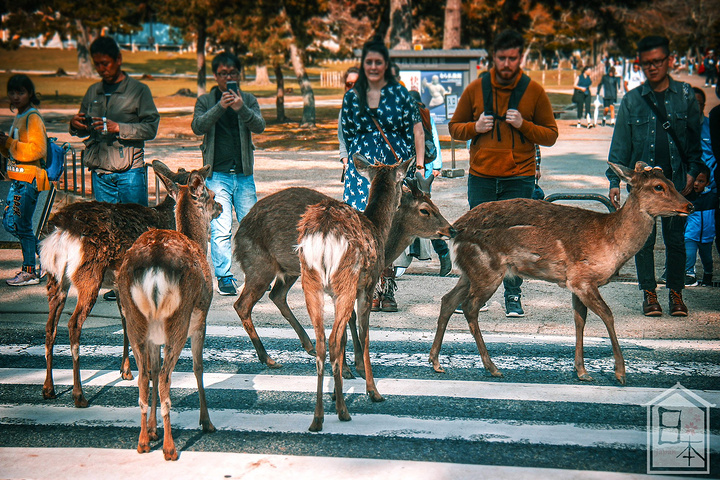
x: 377, y: 295
x: 677, y: 306
x: 388, y: 303
x: 651, y: 306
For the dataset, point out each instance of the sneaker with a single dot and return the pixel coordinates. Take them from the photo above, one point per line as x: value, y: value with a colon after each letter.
x: 459, y: 309
x: 388, y: 303
x: 226, y: 285
x: 399, y: 271
x: 23, y: 278
x: 690, y: 281
x: 445, y: 265
x: 578, y: 125
x: 662, y: 278
x: 677, y: 306
x: 513, y: 307
x: 651, y: 306
x: 707, y: 280
x: 110, y: 296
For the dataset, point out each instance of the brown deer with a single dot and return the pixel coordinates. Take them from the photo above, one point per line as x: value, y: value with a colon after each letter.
x: 165, y: 290
x: 86, y: 244
x: 265, y: 247
x: 342, y: 253
x: 571, y: 247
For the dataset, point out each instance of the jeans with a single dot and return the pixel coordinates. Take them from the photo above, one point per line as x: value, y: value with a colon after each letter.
x: 481, y: 190
x: 17, y: 218
x: 231, y: 191
x: 121, y: 187
x: 691, y: 249
x: 673, y: 232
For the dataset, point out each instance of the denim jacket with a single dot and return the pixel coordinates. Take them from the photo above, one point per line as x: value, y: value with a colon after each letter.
x: 634, y: 136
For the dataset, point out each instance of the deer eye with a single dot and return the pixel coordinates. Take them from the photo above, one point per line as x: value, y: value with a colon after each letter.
x: 659, y: 188
x: 424, y: 212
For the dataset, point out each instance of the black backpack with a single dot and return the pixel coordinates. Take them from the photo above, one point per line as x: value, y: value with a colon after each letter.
x: 515, y: 97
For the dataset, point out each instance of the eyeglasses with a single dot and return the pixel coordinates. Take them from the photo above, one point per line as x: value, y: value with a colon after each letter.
x: 654, y: 63
x: 230, y: 74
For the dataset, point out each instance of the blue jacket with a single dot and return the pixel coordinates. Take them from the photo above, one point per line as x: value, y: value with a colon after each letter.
x: 634, y: 136
x: 700, y: 226
x: 707, y: 153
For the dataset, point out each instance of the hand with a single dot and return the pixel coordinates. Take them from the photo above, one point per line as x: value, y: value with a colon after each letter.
x: 344, y: 161
x: 99, y: 126
x: 484, y: 123
x: 237, y: 101
x: 227, y: 99
x: 514, y: 118
x: 77, y: 122
x: 689, y: 186
x: 537, y: 173
x: 615, y: 197
x: 436, y: 173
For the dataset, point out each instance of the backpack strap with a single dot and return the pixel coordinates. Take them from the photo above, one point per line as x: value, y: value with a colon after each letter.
x: 43, y: 161
x: 513, y: 103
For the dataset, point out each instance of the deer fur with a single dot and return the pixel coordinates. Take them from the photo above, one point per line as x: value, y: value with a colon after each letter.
x: 86, y: 244
x: 265, y: 247
x: 572, y: 247
x: 342, y: 253
x: 165, y: 290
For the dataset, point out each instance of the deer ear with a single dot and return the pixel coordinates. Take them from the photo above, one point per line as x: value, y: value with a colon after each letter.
x: 159, y: 166
x: 361, y: 165
x: 403, y: 169
x: 424, y: 183
x: 196, y: 183
x: 170, y: 186
x: 623, y: 172
x: 204, y: 171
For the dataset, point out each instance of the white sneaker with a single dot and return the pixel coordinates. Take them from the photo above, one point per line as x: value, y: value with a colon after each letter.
x: 23, y: 278
x: 459, y: 309
x: 399, y: 271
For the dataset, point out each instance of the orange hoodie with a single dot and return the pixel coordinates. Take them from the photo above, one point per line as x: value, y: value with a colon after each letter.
x: 25, y: 147
x: 509, y: 156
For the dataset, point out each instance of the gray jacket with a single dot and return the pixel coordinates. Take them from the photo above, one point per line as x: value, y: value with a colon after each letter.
x: 132, y: 107
x: 634, y: 136
x: 208, y: 112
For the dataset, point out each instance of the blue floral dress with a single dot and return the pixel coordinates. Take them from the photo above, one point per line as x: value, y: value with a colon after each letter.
x: 397, y: 113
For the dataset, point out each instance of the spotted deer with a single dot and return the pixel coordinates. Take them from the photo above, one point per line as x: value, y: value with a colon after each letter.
x: 165, y: 290
x: 86, y: 244
x: 571, y: 247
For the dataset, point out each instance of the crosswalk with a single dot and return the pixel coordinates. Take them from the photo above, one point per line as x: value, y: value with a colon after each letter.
x: 530, y: 419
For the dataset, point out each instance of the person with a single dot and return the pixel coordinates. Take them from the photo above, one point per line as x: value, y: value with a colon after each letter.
x: 700, y: 229
x: 634, y: 77
x: 708, y: 157
x: 25, y: 147
x: 437, y: 91
x: 711, y: 69
x: 502, y: 151
x: 639, y: 136
x: 418, y: 248
x: 351, y: 76
x: 117, y: 115
x: 395, y: 72
x: 609, y: 85
x: 227, y: 118
x: 714, y: 129
x: 377, y: 97
x: 581, y: 96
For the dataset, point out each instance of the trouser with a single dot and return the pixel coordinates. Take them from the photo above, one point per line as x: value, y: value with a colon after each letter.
x: 17, y: 219
x: 691, y: 250
x: 481, y: 190
x: 583, y: 106
x: 121, y: 187
x: 673, y: 232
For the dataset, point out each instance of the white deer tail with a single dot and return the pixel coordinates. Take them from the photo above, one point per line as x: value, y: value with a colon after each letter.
x: 157, y: 297
x: 323, y: 253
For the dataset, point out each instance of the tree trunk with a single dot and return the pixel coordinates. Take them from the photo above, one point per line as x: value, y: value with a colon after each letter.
x: 200, y: 55
x: 400, y: 24
x: 306, y: 90
x: 85, y: 65
x: 261, y: 75
x: 451, y: 33
x: 280, y: 98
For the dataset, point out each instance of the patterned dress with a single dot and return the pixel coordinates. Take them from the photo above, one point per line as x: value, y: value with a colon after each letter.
x: 397, y: 113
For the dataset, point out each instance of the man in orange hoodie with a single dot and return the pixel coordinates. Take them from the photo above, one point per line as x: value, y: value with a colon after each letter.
x: 502, y: 147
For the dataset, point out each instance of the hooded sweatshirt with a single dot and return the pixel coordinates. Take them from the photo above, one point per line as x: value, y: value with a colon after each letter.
x: 503, y: 151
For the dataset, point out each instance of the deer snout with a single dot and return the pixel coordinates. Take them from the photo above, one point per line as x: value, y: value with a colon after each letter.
x: 217, y: 211
x: 451, y: 233
x: 689, y: 208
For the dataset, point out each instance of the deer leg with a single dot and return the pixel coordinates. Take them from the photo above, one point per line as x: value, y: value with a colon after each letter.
x: 471, y: 308
x: 173, y: 347
x: 357, y: 349
x: 346, y: 372
x: 253, y: 290
x: 125, y: 371
x: 279, y: 295
x: 364, y: 304
x: 153, y: 357
x: 591, y: 297
x: 580, y: 316
x: 86, y: 301
x: 143, y: 386
x: 338, y: 337
x: 197, y: 342
x: 314, y: 300
x: 57, y: 295
x: 450, y: 302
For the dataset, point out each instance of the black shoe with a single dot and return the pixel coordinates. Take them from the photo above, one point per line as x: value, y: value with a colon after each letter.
x: 226, y: 285
x: 445, y: 265
x: 513, y: 307
x: 690, y: 281
x: 707, y: 280
x: 110, y: 296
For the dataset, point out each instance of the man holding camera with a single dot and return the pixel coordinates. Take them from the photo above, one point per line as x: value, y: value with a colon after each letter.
x: 227, y: 117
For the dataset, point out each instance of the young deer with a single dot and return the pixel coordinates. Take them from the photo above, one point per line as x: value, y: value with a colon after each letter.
x: 265, y: 247
x: 342, y: 253
x: 165, y: 290
x: 571, y: 247
x: 87, y: 241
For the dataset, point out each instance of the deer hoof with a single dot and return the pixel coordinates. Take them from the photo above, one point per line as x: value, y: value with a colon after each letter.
x: 208, y: 427
x: 126, y: 375
x: 273, y: 364
x: 316, y: 425
x: 49, y: 394
x: 347, y: 373
x: 436, y: 366
x: 621, y: 379
x: 375, y: 397
x: 497, y: 373
x: 585, y: 377
x: 80, y: 401
x: 143, y: 448
x: 344, y: 415
x: 170, y: 454
x: 311, y: 351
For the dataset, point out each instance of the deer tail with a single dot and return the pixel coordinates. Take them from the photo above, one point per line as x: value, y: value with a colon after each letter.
x: 323, y: 253
x: 60, y: 254
x: 157, y: 296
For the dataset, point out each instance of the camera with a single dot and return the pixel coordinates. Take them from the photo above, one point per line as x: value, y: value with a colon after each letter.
x: 233, y: 86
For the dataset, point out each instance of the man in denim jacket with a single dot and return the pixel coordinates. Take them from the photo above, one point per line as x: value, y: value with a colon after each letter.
x: 640, y: 136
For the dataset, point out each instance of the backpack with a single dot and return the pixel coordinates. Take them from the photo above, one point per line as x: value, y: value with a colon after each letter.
x: 515, y: 97
x: 430, y: 150
x: 54, y: 161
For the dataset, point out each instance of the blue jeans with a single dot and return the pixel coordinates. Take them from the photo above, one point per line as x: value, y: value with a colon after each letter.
x: 121, y: 187
x: 673, y: 232
x: 481, y: 190
x: 231, y: 191
x: 17, y: 218
x: 691, y: 249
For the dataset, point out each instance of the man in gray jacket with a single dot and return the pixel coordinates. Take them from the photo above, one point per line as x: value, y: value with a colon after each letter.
x: 227, y: 117
x: 669, y: 140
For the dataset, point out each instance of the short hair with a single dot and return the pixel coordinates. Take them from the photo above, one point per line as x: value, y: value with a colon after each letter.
x: 652, y: 42
x: 105, y: 46
x: 698, y: 91
x: 508, y: 39
x: 703, y: 168
x: 21, y: 82
x: 227, y: 59
x: 350, y: 70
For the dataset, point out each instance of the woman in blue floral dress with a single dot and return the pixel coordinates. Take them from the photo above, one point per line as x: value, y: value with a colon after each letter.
x: 377, y: 94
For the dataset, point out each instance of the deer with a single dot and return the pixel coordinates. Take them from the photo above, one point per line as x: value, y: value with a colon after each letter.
x: 341, y: 253
x: 572, y: 247
x: 165, y: 290
x: 86, y: 244
x: 264, y: 247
